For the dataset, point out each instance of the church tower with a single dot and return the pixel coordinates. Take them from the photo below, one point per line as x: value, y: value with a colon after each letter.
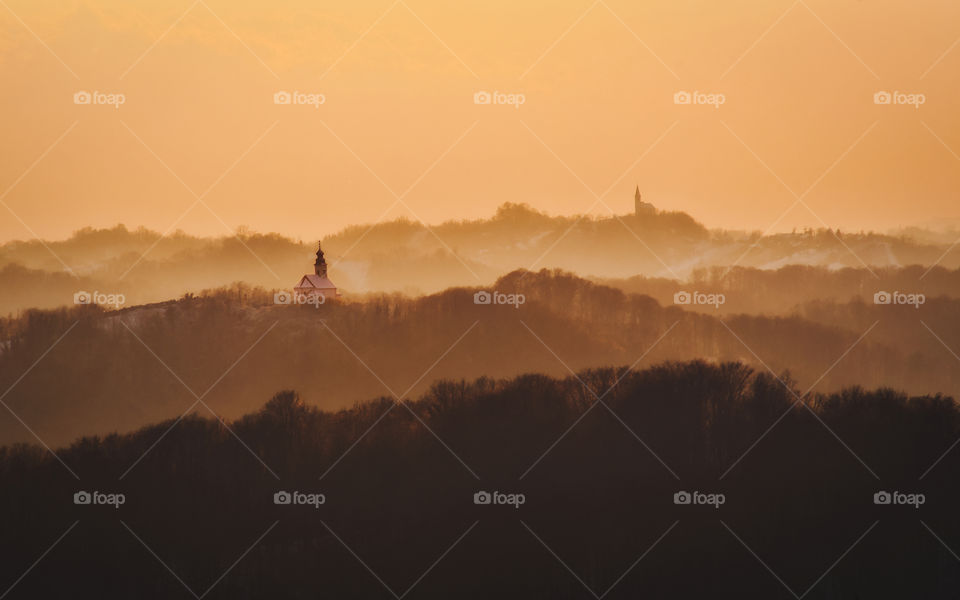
x: 320, y: 267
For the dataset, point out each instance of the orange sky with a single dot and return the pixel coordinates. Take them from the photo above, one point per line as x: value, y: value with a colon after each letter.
x: 399, y: 117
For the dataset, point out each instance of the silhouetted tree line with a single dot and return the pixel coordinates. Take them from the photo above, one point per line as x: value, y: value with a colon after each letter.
x: 116, y: 370
x: 399, y: 484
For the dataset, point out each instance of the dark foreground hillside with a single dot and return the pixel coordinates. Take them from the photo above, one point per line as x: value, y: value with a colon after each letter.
x: 798, y: 516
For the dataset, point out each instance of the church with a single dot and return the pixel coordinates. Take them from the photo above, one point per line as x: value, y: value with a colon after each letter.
x: 640, y: 207
x: 317, y: 284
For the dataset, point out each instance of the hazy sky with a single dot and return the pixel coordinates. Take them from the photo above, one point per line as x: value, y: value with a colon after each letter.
x: 398, y: 79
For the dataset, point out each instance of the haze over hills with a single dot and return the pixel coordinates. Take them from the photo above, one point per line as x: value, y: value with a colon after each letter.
x: 117, y: 370
x: 613, y: 300
x: 200, y: 304
x: 409, y: 257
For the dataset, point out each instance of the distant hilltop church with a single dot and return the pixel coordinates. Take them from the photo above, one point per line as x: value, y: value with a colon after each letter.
x: 640, y: 207
x: 317, y: 284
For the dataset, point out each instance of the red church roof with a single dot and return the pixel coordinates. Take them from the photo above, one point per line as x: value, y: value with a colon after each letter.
x: 315, y: 282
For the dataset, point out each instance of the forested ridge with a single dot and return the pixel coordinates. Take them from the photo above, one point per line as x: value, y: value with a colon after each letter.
x: 104, y: 371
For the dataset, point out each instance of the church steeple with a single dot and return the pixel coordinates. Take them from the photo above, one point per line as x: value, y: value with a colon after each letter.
x: 320, y: 267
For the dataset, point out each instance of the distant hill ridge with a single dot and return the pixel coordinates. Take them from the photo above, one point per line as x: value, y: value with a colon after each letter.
x: 406, y: 256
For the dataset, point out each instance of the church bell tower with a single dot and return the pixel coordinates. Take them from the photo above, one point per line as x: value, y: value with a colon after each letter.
x: 320, y: 267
